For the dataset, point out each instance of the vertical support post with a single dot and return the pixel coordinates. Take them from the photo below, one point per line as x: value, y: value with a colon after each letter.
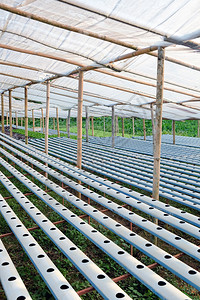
x: 10, y: 112
x: 104, y: 124
x: 152, y: 121
x: 7, y: 119
x: 16, y: 117
x: 57, y: 118
x: 42, y: 120
x: 41, y: 123
x: 54, y: 125
x: 122, y: 127
x: 68, y: 126
x: 79, y: 120
x: 173, y: 131
x: 133, y: 120
x: 26, y: 113
x: 2, y: 114
x: 47, y: 117
x: 116, y: 125
x: 144, y: 129
x: 21, y: 121
x: 158, y: 123
x: 198, y: 128
x: 113, y: 126
x: 33, y: 120
x: 92, y: 118
x: 87, y: 123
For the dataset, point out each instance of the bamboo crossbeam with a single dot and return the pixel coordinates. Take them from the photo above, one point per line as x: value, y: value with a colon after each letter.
x: 83, y: 32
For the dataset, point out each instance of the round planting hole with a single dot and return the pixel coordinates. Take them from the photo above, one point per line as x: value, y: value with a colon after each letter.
x: 120, y: 295
x: 101, y: 276
x: 140, y: 267
x: 5, y: 263
x: 64, y: 287
x: 12, y: 278
x: 84, y: 261
x: 161, y: 283
x: 192, y: 272
x: 50, y: 270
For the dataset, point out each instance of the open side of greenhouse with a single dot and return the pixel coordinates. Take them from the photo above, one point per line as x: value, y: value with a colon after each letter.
x: 131, y: 201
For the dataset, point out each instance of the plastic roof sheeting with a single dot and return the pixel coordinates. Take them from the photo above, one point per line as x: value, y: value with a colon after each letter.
x: 128, y: 23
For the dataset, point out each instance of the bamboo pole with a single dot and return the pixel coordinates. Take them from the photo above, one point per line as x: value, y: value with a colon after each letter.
x: 116, y: 125
x: 7, y: 119
x: 152, y: 122
x: 54, y: 125
x: 92, y: 119
x: 10, y: 112
x: 79, y: 120
x: 104, y: 124
x: 86, y: 123
x: 123, y: 127
x: 158, y: 123
x: 47, y: 116
x: 26, y: 113
x: 113, y: 126
x: 68, y: 126
x: 21, y: 121
x: 91, y: 34
x: 2, y: 113
x: 33, y: 120
x: 57, y: 119
x: 173, y: 132
x: 158, y: 127
x: 16, y: 117
x: 144, y: 129
x: 42, y: 120
x: 198, y: 128
x: 133, y: 121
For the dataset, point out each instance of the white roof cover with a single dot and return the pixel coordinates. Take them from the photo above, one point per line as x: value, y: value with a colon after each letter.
x: 80, y: 33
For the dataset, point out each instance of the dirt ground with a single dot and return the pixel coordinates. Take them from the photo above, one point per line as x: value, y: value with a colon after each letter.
x: 17, y: 136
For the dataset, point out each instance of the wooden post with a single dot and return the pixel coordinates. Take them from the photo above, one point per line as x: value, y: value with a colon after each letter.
x: 33, y: 119
x: 158, y: 126
x: 16, y: 117
x: 42, y: 120
x: 86, y: 123
x: 47, y: 116
x: 7, y: 119
x: 158, y: 123
x: 173, y: 131
x: 144, y: 129
x: 68, y: 126
x: 57, y: 118
x: 123, y: 127
x: 113, y: 126
x: 152, y: 122
x: 26, y: 113
x: 104, y: 124
x: 197, y: 128
x: 79, y: 120
x: 10, y: 112
x: 54, y: 125
x: 133, y: 126
x: 2, y: 114
x: 21, y: 121
x: 92, y: 118
x: 116, y: 125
